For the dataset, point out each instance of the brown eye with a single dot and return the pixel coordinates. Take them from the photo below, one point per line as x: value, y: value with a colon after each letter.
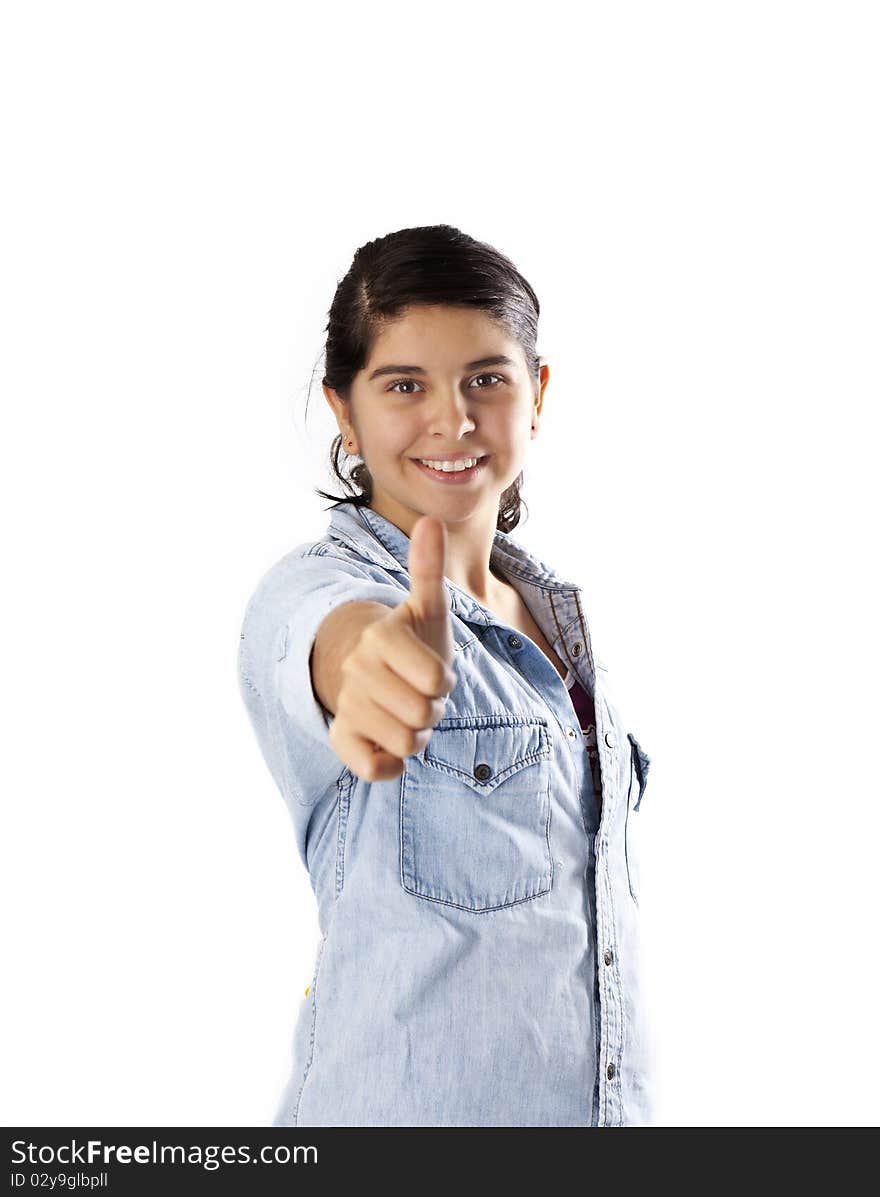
x: 403, y: 382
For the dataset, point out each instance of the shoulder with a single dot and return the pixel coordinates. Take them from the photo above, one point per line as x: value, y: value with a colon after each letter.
x: 300, y: 588
x: 288, y: 605
x: 307, y: 566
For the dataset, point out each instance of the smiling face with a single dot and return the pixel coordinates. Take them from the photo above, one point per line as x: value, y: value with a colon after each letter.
x: 441, y: 382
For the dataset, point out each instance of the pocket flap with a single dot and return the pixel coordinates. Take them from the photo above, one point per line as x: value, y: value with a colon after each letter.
x: 484, y: 757
x: 641, y: 763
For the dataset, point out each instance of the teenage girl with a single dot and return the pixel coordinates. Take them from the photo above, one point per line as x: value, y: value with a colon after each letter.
x: 424, y: 689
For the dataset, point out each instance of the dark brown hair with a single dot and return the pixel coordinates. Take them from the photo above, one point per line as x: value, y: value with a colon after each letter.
x: 434, y: 264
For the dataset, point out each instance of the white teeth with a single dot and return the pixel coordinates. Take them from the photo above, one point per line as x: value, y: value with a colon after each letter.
x: 450, y: 467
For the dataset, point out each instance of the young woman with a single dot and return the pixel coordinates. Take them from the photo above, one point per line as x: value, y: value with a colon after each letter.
x: 424, y: 690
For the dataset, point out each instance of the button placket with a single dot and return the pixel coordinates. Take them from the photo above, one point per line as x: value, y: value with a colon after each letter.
x: 609, y: 1012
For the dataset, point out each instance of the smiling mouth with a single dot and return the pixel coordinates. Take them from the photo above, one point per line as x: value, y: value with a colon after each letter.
x: 452, y: 464
x: 451, y: 472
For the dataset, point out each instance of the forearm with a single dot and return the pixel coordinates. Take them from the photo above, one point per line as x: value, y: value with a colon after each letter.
x: 336, y: 637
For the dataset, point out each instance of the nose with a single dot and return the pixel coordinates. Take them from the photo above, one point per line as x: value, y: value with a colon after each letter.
x: 450, y: 417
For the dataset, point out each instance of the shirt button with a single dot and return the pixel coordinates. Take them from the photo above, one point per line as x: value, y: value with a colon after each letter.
x: 609, y: 1071
x: 607, y: 957
x: 482, y: 772
x: 609, y: 739
x: 572, y: 734
x: 514, y: 641
x: 577, y: 648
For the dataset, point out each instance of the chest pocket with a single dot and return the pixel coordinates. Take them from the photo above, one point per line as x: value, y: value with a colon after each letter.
x: 638, y: 779
x: 475, y: 813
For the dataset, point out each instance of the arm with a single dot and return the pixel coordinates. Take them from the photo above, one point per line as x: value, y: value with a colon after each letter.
x: 337, y: 635
x: 278, y: 635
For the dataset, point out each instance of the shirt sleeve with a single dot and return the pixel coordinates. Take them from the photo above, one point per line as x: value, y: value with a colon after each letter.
x: 278, y: 632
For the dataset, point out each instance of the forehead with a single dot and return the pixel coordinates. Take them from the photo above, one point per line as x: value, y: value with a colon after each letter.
x: 440, y: 338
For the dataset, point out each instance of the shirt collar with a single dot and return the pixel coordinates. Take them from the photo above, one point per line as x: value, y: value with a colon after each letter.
x: 384, y: 544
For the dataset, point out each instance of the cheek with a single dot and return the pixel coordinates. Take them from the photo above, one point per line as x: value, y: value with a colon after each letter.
x: 509, y: 437
x: 389, y: 444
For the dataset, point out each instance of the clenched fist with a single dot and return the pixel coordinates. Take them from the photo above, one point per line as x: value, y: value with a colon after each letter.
x: 396, y: 677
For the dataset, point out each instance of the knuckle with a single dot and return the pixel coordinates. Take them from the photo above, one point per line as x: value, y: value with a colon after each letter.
x: 376, y: 632
x: 368, y: 770
x: 369, y: 631
x: 415, y: 742
x: 350, y: 664
x: 438, y: 680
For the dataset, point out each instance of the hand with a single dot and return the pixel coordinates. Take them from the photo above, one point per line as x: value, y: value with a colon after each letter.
x: 396, y: 678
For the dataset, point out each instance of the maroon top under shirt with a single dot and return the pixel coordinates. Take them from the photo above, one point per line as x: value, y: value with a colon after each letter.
x: 586, y: 713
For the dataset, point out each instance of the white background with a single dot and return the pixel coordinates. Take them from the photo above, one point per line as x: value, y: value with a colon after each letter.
x: 692, y: 189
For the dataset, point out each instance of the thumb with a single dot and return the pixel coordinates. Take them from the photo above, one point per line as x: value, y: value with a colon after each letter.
x: 428, y: 603
x: 427, y: 565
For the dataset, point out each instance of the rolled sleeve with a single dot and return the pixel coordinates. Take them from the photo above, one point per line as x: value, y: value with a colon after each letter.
x: 278, y: 634
x: 322, y: 588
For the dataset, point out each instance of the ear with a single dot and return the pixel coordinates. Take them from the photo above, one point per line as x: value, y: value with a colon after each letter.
x: 539, y: 398
x: 340, y: 410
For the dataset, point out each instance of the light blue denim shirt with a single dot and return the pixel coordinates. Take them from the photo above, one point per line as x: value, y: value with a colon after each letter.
x: 479, y: 955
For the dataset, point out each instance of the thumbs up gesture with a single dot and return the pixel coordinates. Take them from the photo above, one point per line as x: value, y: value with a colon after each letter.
x: 396, y: 677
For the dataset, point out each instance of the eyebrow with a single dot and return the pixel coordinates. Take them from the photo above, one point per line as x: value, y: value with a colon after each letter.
x: 498, y: 360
